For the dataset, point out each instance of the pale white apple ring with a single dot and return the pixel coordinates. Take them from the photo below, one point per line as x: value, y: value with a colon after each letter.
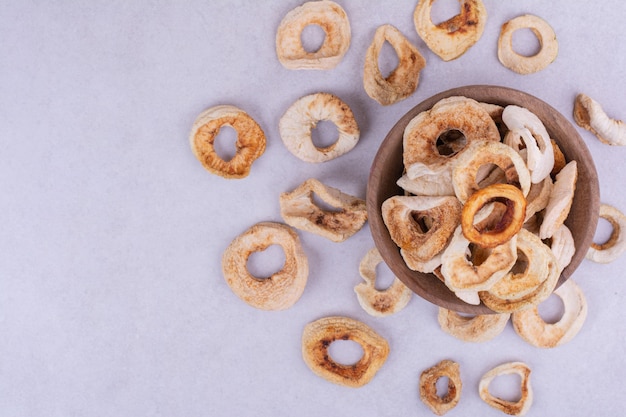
x: 301, y: 118
x: 590, y: 115
x: 527, y: 64
x: 534, y: 330
x: 333, y: 20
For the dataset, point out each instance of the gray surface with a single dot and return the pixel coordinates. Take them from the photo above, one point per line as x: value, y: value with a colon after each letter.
x: 112, y: 301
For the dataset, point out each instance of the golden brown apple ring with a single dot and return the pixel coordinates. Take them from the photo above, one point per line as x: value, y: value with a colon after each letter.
x: 510, y: 223
x: 333, y: 20
x: 450, y: 39
x: 517, y: 408
x: 403, y: 80
x: 419, y: 242
x: 250, y: 141
x: 488, y: 152
x: 299, y: 210
x: 300, y: 119
x: 428, y: 386
x: 479, y: 328
x: 279, y: 291
x: 317, y: 337
x: 615, y: 246
x: 534, y: 330
x: 463, y: 274
x: 420, y: 153
x: 527, y: 64
x: 379, y: 303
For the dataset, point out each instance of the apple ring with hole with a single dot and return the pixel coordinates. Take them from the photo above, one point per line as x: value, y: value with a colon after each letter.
x: 333, y: 20
x: 250, y: 142
x: 282, y: 289
x: 435, y: 138
x: 301, y: 118
x: 513, y: 408
x: 483, y: 268
x: 379, y: 303
x: 298, y: 209
x: 403, y: 80
x: 526, y: 131
x: 428, y: 386
x: 529, y: 325
x: 509, y: 224
x: 615, y: 246
x: 421, y: 226
x: 452, y: 38
x: 480, y: 153
x: 319, y: 334
x: 527, y: 64
x: 517, y: 290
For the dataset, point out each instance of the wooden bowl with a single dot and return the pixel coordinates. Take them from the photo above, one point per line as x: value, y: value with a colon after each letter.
x: 387, y: 168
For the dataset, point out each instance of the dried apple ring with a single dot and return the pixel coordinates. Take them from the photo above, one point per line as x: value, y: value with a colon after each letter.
x: 428, y: 386
x: 615, y: 246
x: 527, y: 64
x: 538, y: 197
x: 250, y: 141
x: 560, y: 201
x: 460, y: 115
x: 301, y: 118
x: 533, y: 258
x: 510, y: 223
x: 376, y: 302
x: 403, y: 80
x: 534, y: 330
x: 279, y: 291
x: 513, y: 292
x: 317, y: 337
x: 563, y: 246
x: 479, y: 328
x: 488, y: 152
x: 420, y: 240
x: 333, y: 20
x: 463, y: 274
x: 590, y: 115
x: 450, y: 39
x: 559, y: 158
x: 514, y: 408
x: 300, y: 211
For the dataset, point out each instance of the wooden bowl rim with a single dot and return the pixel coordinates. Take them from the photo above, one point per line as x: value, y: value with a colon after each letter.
x: 587, y: 194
